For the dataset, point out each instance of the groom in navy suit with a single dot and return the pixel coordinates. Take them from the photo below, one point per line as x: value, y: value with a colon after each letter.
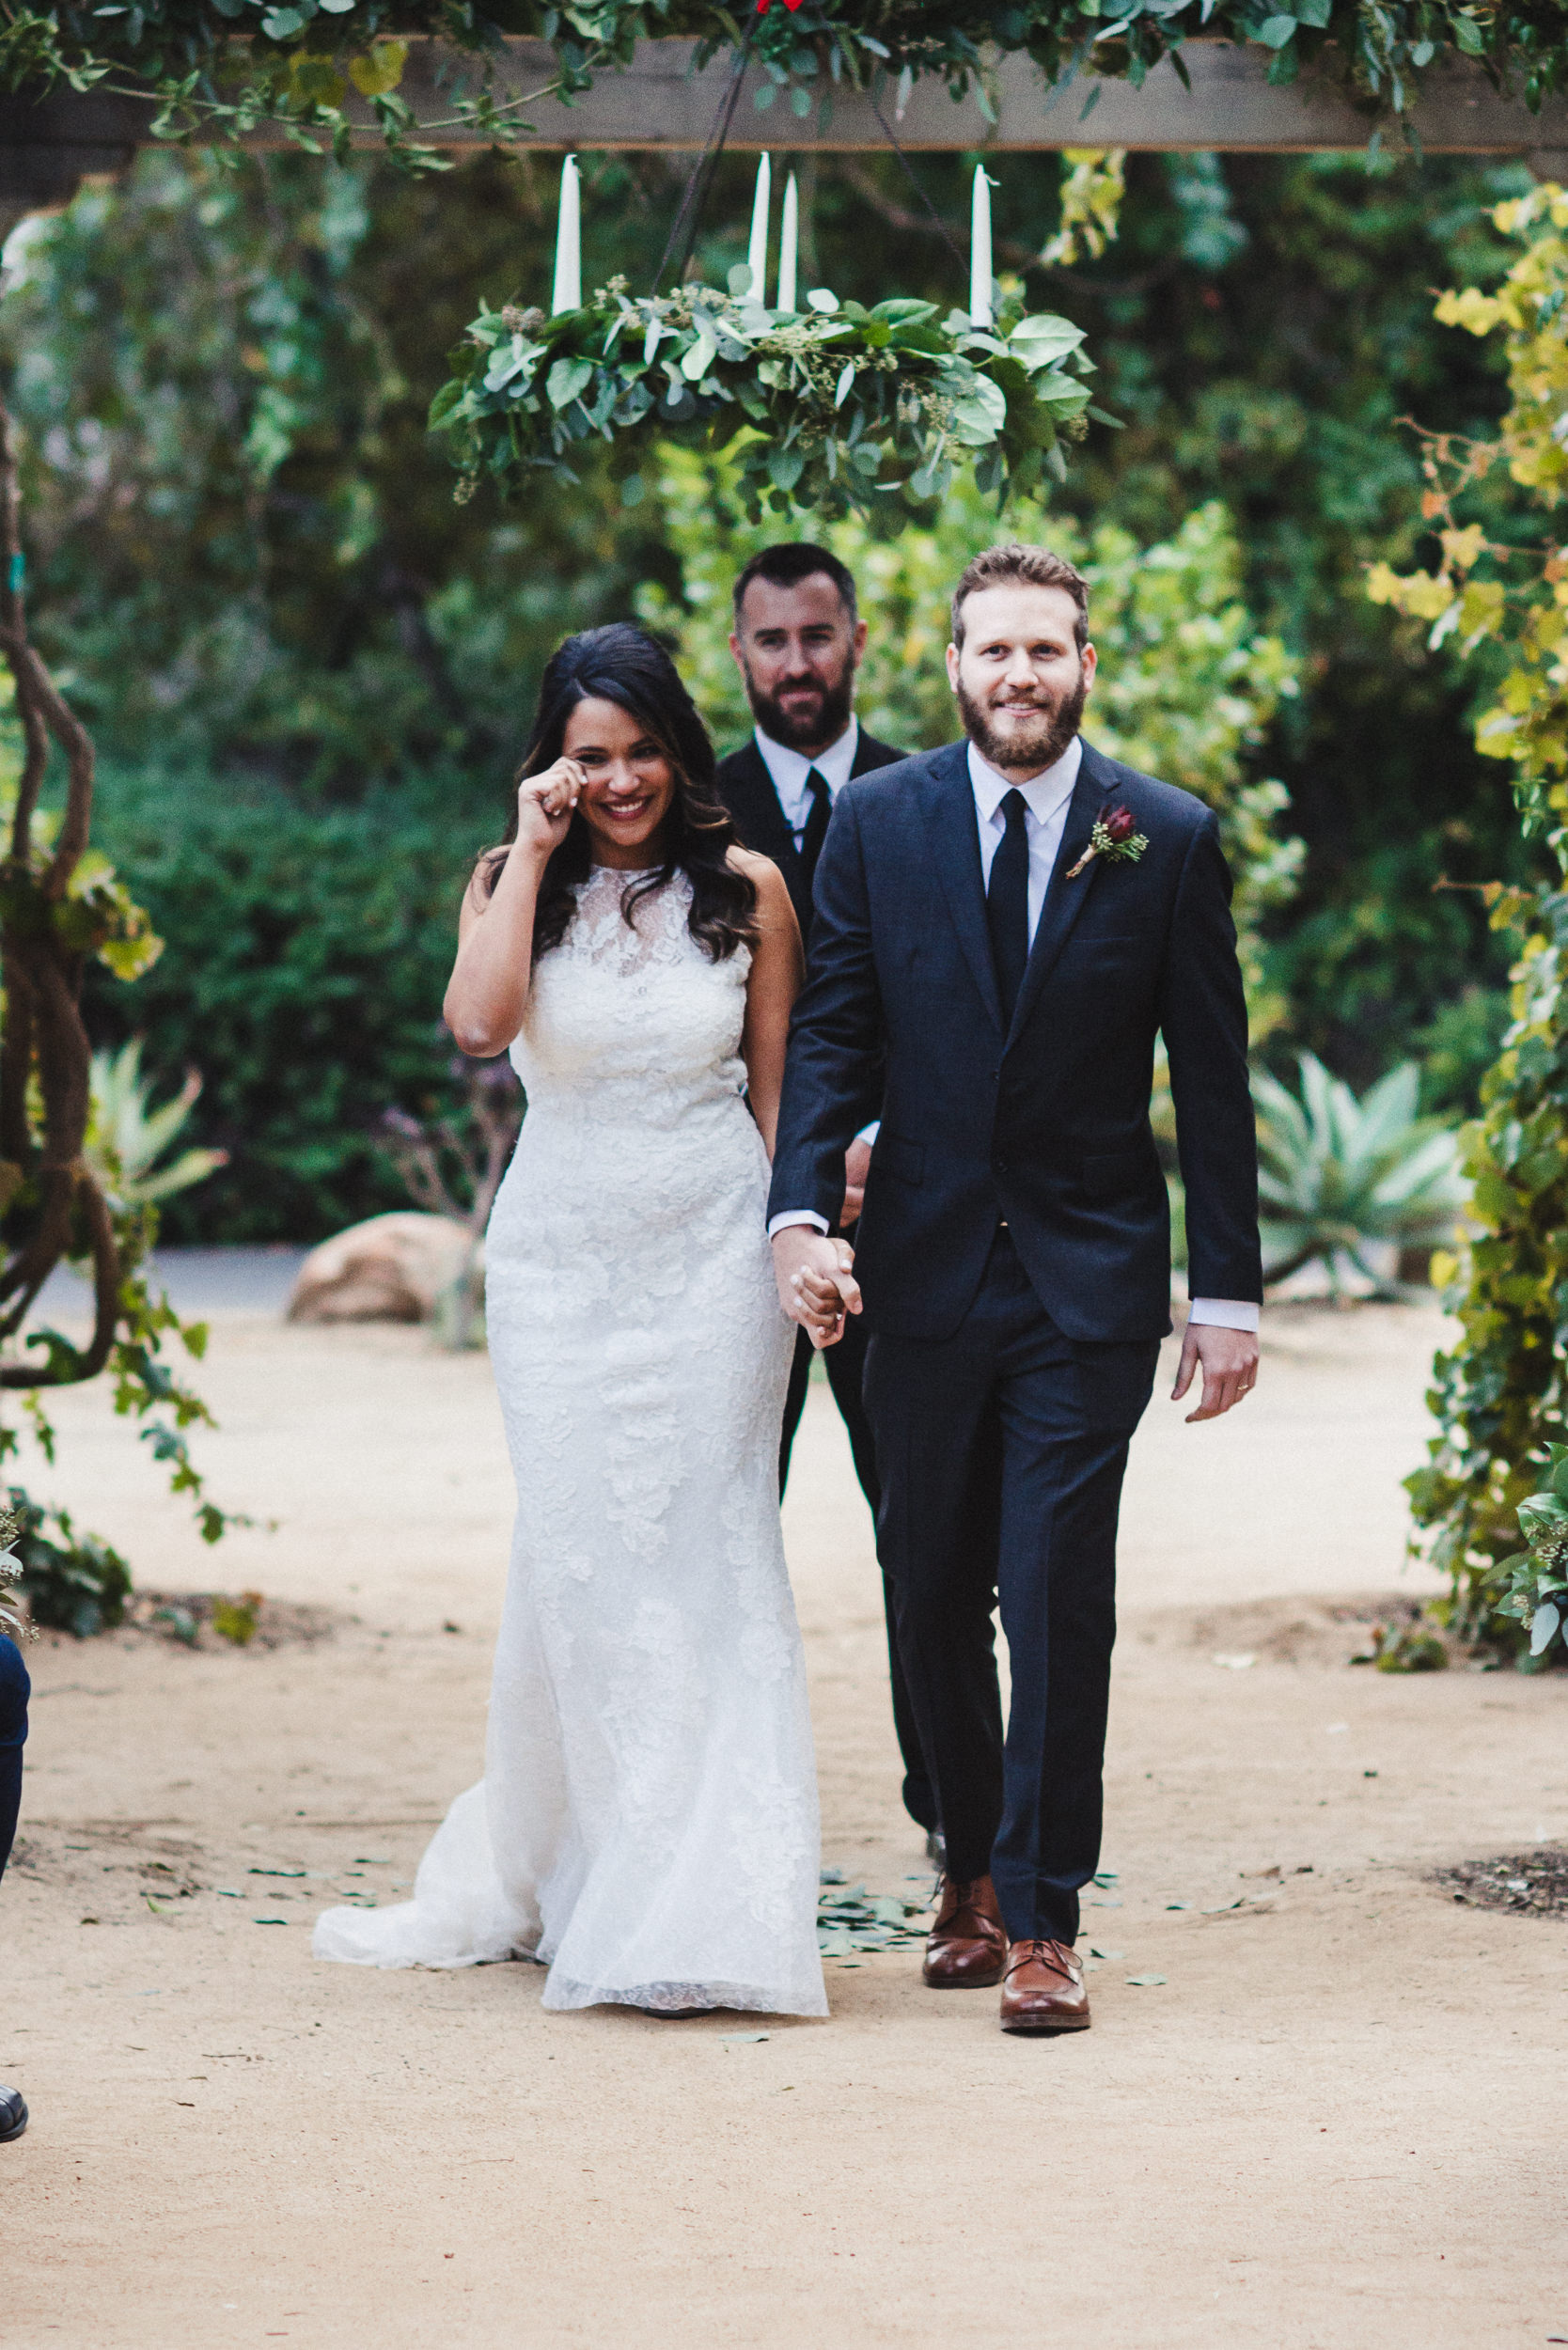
x: 1002, y: 931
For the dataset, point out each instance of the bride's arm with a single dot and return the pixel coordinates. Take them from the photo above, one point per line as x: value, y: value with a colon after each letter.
x: 772, y: 986
x: 487, y: 991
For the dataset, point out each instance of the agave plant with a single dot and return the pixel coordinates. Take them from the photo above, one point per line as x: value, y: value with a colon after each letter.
x: 1338, y: 1177
x: 127, y: 1137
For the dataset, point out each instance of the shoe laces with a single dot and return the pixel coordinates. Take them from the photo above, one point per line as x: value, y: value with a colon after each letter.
x: 978, y: 1925
x: 1049, y: 1953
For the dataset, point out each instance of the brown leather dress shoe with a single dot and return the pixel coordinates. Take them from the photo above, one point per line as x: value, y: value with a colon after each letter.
x: 1043, y: 1989
x: 969, y: 1942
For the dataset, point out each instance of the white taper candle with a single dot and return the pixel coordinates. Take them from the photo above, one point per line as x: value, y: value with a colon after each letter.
x: 756, y: 253
x: 980, y: 250
x: 568, y: 295
x: 788, y: 241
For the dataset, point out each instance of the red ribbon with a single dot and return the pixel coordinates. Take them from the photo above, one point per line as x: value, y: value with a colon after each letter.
x: 764, y: 6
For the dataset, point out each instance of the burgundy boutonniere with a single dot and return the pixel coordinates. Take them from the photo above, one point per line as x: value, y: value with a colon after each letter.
x: 1113, y: 840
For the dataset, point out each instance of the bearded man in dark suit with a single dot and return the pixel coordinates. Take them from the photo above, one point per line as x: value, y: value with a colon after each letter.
x: 1003, y: 928
x: 798, y: 640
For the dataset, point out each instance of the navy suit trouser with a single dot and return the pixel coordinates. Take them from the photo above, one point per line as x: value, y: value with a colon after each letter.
x: 1002, y: 1453
x: 15, y: 1689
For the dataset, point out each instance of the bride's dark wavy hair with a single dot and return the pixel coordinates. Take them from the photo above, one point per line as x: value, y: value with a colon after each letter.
x: 623, y: 665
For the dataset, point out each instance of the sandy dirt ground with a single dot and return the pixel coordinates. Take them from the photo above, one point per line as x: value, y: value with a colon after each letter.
x: 1336, y: 2118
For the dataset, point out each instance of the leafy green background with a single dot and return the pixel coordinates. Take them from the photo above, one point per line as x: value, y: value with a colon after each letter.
x: 309, y: 672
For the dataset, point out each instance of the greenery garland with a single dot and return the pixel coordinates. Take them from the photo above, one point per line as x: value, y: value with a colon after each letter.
x: 232, y: 63
x: 819, y: 402
x: 1500, y: 1396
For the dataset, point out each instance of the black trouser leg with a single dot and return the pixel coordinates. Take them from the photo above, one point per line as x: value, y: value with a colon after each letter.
x: 794, y: 1403
x: 938, y: 1446
x: 1061, y: 1491
x: 845, y: 1366
x: 15, y: 1688
x: 1002, y: 1452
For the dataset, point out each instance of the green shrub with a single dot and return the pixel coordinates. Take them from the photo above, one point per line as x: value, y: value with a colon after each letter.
x: 75, y: 1584
x: 306, y: 951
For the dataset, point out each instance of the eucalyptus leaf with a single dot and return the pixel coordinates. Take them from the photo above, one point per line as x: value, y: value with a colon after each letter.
x: 566, y: 379
x: 1544, y: 1628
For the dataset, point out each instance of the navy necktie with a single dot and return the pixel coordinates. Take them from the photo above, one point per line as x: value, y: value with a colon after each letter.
x: 816, y: 826
x: 1007, y: 903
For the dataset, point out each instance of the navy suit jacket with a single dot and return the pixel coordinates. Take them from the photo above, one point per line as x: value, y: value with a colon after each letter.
x: 1044, y: 1123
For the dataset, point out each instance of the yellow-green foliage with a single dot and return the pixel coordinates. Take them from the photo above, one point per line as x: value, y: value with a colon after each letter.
x: 98, y: 914
x: 1499, y: 1396
x: 1092, y: 196
x: 1187, y: 683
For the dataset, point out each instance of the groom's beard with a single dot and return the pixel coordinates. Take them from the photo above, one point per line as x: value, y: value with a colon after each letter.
x: 814, y: 723
x: 1039, y: 741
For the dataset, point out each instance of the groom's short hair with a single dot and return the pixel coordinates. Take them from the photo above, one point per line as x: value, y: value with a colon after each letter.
x: 1022, y: 566
x: 787, y: 566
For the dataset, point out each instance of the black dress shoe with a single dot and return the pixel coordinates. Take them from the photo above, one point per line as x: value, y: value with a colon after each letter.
x: 13, y: 2114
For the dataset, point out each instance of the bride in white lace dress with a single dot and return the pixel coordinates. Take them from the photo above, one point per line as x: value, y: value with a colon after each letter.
x: 647, y: 1824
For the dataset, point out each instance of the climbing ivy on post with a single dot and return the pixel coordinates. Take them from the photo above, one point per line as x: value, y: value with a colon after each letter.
x: 1501, y: 1395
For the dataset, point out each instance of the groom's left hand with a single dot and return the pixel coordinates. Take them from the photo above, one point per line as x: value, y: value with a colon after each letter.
x: 1229, y: 1361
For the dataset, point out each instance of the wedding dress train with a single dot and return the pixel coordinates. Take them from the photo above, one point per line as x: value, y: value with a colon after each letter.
x: 647, y: 1825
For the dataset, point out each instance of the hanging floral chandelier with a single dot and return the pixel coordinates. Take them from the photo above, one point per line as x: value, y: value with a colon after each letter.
x: 830, y: 406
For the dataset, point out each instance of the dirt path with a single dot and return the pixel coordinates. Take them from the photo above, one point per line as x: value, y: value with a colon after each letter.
x: 1337, y: 2122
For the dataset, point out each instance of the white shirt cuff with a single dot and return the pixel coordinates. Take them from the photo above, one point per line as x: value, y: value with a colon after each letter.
x: 869, y: 1134
x: 796, y: 1216
x: 1224, y: 1313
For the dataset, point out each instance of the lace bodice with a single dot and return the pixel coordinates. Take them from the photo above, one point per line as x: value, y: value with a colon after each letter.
x: 632, y: 1019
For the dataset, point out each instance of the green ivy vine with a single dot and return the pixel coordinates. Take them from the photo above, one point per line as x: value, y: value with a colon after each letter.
x: 1499, y: 1395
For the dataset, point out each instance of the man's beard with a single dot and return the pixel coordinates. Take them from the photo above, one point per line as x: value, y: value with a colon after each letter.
x: 826, y: 722
x: 1038, y: 744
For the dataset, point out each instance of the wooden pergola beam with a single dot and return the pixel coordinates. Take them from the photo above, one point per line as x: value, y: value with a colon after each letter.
x: 49, y: 146
x: 661, y: 101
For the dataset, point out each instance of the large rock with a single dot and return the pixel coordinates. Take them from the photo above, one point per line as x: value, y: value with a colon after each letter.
x: 390, y: 1268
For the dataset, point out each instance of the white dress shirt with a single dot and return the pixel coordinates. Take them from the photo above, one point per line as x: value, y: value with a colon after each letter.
x: 790, y: 768
x: 1046, y: 798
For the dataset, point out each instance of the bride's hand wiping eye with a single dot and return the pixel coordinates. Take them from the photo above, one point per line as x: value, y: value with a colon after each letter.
x: 545, y: 804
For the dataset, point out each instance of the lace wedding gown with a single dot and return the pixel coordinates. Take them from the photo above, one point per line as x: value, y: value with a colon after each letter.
x: 647, y: 1825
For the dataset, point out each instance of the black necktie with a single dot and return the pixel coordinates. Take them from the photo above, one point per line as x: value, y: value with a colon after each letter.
x: 1007, y: 903
x: 816, y: 826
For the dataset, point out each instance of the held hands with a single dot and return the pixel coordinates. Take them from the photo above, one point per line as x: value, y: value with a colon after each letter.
x: 1229, y: 1362
x: 816, y: 1283
x: 544, y: 806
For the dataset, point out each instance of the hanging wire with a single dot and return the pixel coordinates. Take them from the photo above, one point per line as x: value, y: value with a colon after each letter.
x: 699, y: 185
x: 693, y: 201
x: 912, y: 176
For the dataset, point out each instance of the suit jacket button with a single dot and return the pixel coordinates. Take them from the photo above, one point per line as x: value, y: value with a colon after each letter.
x: 999, y: 1167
